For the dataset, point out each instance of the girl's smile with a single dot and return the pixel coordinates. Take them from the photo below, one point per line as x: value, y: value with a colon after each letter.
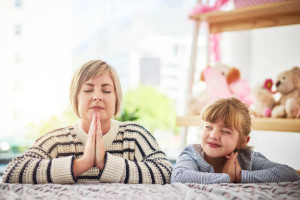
x: 218, y: 140
x: 213, y: 145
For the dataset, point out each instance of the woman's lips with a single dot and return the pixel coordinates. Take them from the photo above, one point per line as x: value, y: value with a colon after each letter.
x: 213, y: 145
x: 96, y: 108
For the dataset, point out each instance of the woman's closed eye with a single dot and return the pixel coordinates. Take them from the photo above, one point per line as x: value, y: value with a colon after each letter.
x: 106, y: 88
x: 87, y: 91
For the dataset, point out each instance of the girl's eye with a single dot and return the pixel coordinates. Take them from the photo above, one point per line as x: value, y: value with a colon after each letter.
x: 226, y: 132
x: 207, y: 127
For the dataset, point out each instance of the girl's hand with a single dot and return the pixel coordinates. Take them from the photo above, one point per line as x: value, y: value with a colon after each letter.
x: 100, y: 150
x: 87, y: 161
x: 238, y: 171
x: 229, y: 166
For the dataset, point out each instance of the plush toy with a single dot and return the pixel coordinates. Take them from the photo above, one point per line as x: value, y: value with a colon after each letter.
x: 231, y: 74
x: 235, y: 86
x: 263, y: 99
x: 222, y: 81
x: 288, y: 85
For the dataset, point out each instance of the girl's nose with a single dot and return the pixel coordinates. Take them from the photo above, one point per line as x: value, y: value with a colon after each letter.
x: 215, y: 134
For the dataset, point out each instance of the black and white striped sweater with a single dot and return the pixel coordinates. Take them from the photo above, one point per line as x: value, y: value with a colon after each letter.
x: 132, y: 156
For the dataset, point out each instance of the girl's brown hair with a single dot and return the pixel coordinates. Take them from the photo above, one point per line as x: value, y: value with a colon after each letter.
x: 234, y: 114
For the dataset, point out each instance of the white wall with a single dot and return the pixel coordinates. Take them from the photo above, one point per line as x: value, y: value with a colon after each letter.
x: 281, y: 147
x: 274, y: 50
x: 262, y: 53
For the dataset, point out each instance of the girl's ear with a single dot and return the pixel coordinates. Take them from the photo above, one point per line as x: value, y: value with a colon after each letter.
x: 245, y: 140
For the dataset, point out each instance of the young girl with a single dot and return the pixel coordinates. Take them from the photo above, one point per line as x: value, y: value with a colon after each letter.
x: 223, y: 155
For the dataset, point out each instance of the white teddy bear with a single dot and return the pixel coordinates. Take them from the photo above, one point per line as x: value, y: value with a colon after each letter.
x: 263, y: 99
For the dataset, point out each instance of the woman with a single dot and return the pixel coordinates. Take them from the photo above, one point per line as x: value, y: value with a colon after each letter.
x: 97, y: 148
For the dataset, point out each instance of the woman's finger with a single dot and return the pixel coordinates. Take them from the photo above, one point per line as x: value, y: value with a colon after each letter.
x: 100, y: 150
x: 98, y: 129
x: 88, y: 157
x: 92, y: 126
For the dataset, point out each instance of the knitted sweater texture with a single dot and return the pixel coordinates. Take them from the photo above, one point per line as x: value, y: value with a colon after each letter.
x: 132, y: 156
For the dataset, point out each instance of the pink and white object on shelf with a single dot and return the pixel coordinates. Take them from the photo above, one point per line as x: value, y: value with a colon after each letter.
x: 245, y: 3
x: 217, y: 87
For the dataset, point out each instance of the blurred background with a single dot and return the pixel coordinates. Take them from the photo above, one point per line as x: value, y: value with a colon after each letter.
x: 42, y: 42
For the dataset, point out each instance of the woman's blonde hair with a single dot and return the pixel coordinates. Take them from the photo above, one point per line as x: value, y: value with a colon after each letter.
x: 234, y: 114
x: 90, y: 70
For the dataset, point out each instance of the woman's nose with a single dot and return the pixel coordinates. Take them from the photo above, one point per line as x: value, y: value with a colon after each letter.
x: 97, y: 97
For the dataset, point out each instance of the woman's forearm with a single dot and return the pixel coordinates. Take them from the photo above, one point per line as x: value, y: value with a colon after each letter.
x: 79, y: 166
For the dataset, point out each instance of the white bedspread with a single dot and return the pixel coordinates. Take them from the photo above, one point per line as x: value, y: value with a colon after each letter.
x: 135, y: 192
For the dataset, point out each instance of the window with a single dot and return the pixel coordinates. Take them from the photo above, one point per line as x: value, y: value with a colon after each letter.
x: 18, y: 3
x: 17, y: 29
x: 17, y: 57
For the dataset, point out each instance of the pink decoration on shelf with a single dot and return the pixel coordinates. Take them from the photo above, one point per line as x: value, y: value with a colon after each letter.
x: 218, y: 87
x: 215, y: 38
x: 242, y: 91
x: 267, y: 112
x: 215, y: 46
x: 245, y: 3
x: 202, y: 8
x: 268, y: 85
x: 298, y: 114
x: 216, y: 84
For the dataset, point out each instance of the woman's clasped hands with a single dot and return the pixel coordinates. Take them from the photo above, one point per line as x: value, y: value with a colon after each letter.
x: 94, y: 152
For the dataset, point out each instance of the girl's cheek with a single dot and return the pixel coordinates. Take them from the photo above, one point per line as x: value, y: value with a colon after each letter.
x: 204, y: 135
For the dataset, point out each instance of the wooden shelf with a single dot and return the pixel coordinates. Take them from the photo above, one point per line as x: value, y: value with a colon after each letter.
x: 246, y: 18
x: 268, y: 124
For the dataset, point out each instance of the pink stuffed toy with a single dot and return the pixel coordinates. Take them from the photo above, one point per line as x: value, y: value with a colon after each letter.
x: 217, y: 85
x: 222, y: 81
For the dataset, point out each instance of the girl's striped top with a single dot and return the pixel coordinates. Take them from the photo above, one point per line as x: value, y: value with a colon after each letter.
x: 132, y: 156
x: 192, y: 168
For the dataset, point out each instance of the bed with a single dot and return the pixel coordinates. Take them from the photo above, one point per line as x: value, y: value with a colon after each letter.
x: 285, y: 190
